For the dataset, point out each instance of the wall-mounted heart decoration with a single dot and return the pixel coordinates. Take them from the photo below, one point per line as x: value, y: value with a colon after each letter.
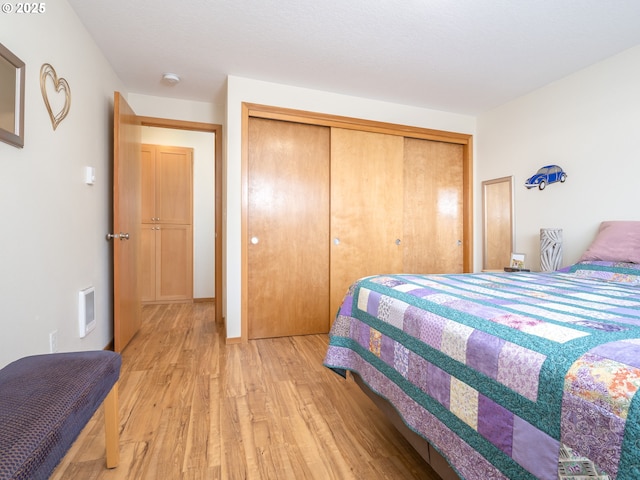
x: 60, y: 85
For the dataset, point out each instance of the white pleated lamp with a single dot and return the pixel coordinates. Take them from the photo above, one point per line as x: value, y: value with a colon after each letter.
x: 550, y: 249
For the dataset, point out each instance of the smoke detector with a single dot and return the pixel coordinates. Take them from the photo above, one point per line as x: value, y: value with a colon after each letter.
x: 170, y: 79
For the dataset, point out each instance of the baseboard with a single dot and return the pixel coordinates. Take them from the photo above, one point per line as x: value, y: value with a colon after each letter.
x: 204, y: 300
x: 167, y: 302
x: 223, y: 334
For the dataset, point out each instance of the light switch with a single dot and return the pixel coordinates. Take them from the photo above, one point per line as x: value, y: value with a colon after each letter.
x: 89, y: 175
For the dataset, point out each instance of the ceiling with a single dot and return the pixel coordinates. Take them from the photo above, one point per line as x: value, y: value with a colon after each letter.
x: 464, y: 56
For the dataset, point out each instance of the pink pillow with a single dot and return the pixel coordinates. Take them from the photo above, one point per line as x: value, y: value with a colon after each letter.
x: 617, y: 241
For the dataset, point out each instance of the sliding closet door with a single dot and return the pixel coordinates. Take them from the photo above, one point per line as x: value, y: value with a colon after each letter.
x: 288, y: 228
x: 433, y: 207
x: 366, y: 207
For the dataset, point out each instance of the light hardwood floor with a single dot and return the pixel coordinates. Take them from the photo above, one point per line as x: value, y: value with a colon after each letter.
x: 192, y: 407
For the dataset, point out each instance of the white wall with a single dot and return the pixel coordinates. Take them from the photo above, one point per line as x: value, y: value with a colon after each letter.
x: 589, y: 124
x: 53, y: 225
x: 203, y: 200
x: 188, y: 111
x: 246, y: 90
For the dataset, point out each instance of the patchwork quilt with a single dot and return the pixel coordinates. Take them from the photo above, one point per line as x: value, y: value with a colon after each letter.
x: 499, y: 370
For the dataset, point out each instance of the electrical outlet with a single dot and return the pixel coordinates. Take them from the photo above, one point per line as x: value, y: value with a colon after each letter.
x: 53, y: 341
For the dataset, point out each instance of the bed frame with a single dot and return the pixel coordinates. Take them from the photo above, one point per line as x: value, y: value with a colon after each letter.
x: 422, y: 446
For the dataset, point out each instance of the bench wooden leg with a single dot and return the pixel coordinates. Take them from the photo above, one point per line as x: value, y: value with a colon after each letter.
x: 112, y: 427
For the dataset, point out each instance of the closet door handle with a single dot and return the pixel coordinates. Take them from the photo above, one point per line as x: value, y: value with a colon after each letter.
x: 398, y: 241
x: 255, y: 240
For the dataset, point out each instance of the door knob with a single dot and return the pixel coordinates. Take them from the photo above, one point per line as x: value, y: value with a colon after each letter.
x: 254, y: 240
x: 121, y: 236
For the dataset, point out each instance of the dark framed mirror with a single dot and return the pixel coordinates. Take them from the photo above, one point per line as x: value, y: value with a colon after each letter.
x: 11, y: 98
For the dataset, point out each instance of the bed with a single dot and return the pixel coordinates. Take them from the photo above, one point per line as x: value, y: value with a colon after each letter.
x: 503, y: 373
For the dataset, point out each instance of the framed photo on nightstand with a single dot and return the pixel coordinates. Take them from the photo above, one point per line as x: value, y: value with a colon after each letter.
x: 517, y: 261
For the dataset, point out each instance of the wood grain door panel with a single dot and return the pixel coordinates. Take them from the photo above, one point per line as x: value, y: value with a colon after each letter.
x: 174, y: 261
x: 288, y: 228
x: 167, y: 206
x: 366, y: 199
x: 127, y: 308
x: 433, y: 207
x: 174, y: 185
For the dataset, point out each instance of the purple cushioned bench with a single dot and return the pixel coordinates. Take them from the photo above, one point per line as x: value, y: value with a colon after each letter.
x: 46, y: 400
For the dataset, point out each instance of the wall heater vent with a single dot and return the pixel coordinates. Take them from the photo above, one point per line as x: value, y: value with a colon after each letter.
x: 87, y: 311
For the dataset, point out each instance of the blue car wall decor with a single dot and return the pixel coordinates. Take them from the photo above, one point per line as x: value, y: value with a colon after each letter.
x: 546, y: 175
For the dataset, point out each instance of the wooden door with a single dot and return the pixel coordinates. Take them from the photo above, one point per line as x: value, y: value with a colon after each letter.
x: 127, y: 307
x: 167, y: 263
x: 433, y: 213
x: 288, y: 228
x: 167, y: 219
x: 167, y: 184
x: 174, y: 185
x: 174, y: 262
x: 366, y: 207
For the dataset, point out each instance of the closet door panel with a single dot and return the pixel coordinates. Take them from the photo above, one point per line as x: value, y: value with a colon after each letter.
x: 288, y: 228
x: 433, y: 207
x: 174, y: 253
x: 174, y: 185
x: 366, y: 207
x: 167, y: 200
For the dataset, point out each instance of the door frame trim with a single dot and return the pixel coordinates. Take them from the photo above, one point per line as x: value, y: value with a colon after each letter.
x: 216, y: 129
x: 322, y: 119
